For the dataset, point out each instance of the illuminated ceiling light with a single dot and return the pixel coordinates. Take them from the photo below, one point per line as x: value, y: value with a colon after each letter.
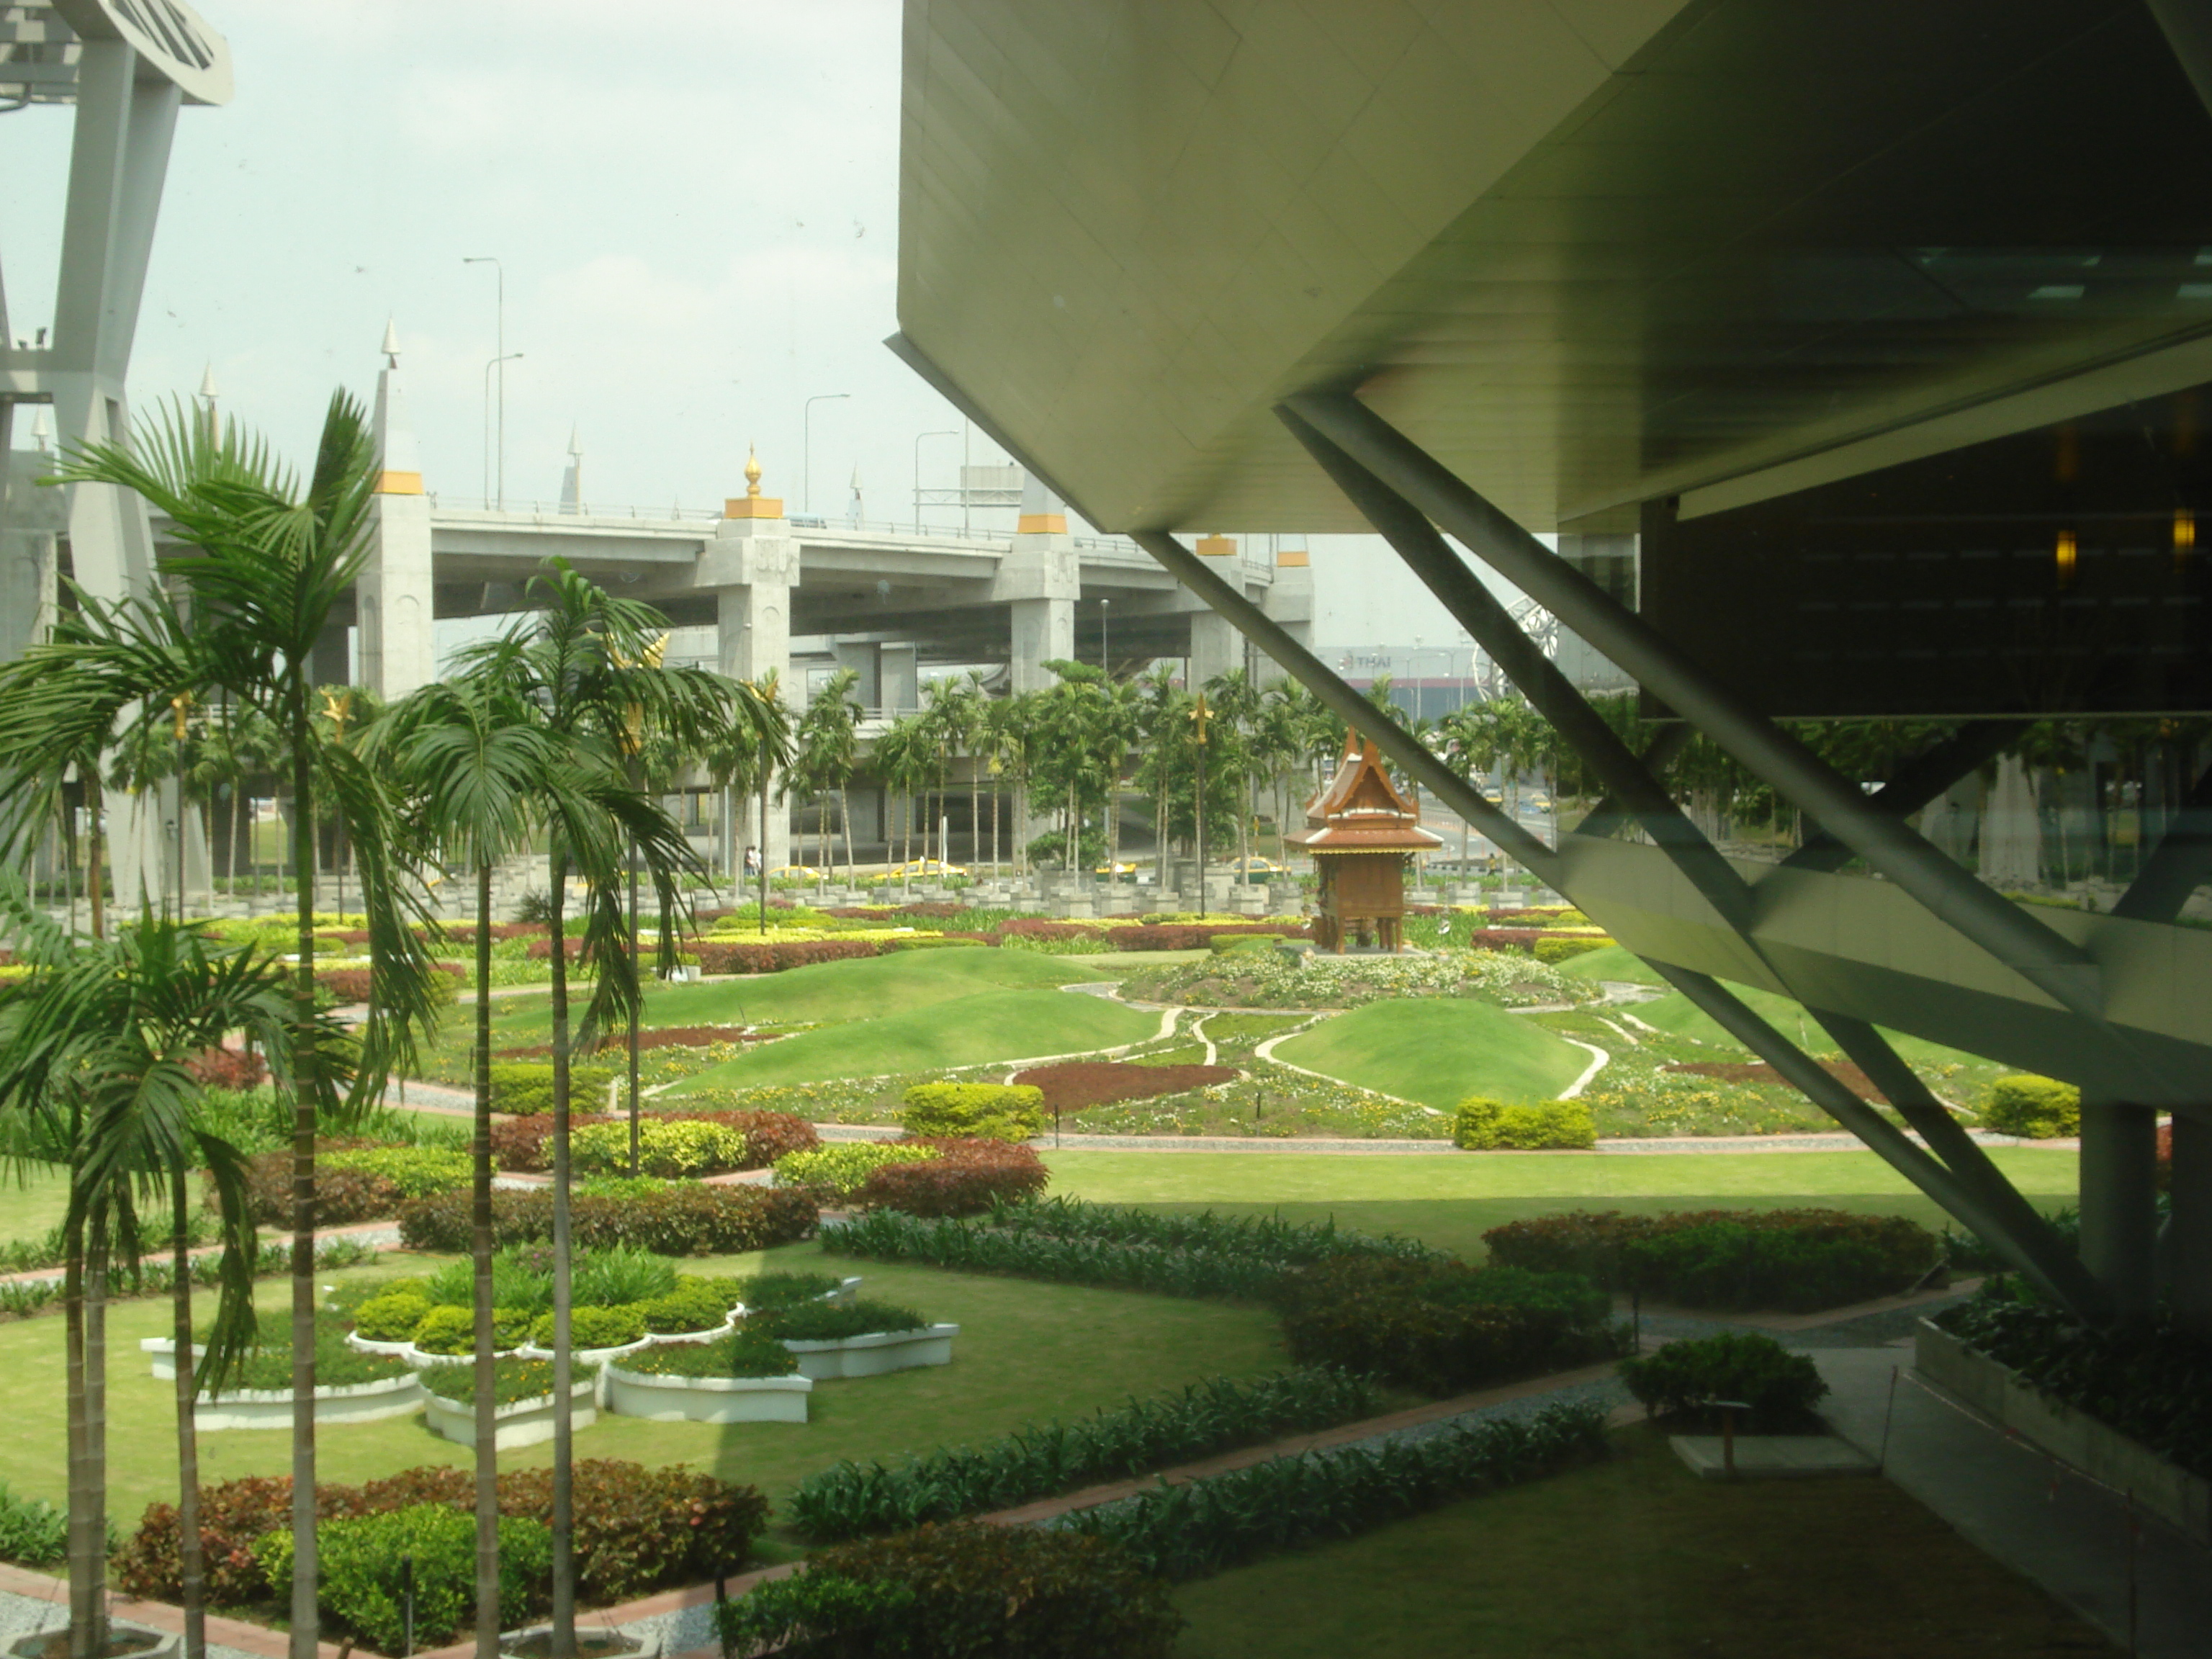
x: 2068, y: 552
x: 2184, y: 536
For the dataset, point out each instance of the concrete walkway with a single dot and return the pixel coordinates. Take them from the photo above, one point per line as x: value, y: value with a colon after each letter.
x: 2051, y: 1525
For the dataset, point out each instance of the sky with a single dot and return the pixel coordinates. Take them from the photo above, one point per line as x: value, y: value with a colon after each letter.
x: 695, y: 206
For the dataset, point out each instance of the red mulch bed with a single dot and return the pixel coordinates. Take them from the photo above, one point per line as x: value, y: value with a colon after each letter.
x: 1759, y: 1072
x: 665, y: 1036
x: 1071, y: 1087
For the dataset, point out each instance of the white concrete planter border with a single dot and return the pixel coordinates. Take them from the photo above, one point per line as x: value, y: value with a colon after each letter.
x: 272, y: 1408
x: 161, y: 1353
x: 707, y: 1399
x: 159, y: 1643
x: 522, y: 1423
x: 355, y: 1339
x: 2099, y: 1450
x: 644, y: 1644
x: 586, y: 1356
x: 422, y: 1357
x: 873, y: 1354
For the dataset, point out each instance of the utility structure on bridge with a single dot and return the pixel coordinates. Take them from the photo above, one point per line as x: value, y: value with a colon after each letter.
x: 756, y: 590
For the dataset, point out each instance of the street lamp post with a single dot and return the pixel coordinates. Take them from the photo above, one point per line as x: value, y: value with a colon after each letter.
x: 499, y: 346
x: 806, y: 443
x: 949, y: 432
x: 1105, y: 640
x: 496, y: 362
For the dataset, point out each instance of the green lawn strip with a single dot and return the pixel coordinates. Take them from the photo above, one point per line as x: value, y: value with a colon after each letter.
x: 991, y: 1026
x: 1027, y: 1352
x: 1438, y: 1050
x: 1677, y: 1015
x: 1450, y: 1201
x: 1119, y: 964
x: 34, y: 1198
x: 1636, y: 1555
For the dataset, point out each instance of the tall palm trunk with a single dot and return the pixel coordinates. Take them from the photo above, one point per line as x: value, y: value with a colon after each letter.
x: 480, y: 1250
x: 95, y: 883
x: 997, y: 795
x: 565, y: 1433
x: 306, y: 1086
x: 191, y: 1559
x: 87, y: 1517
x: 845, y: 826
x: 975, y: 811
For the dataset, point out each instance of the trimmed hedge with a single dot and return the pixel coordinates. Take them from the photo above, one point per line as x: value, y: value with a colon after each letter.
x: 672, y: 1148
x: 998, y: 1111
x: 731, y: 956
x: 1442, y: 1328
x: 526, y: 1086
x: 2036, y: 1108
x: 1799, y: 1260
x: 1564, y: 949
x: 954, y: 1591
x: 691, y: 1219
x: 526, y: 1144
x: 832, y: 1174
x: 359, y: 1584
x: 1779, y: 1386
x: 637, y: 1529
x: 967, y: 1178
x: 1484, y: 1125
x: 342, y: 1196
x: 1041, y: 1459
x: 596, y: 1328
x: 413, y: 1172
x: 836, y: 1321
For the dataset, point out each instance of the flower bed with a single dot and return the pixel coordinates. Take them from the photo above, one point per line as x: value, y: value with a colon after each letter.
x: 686, y: 1219
x: 1077, y: 1084
x: 526, y: 1411
x: 661, y: 1396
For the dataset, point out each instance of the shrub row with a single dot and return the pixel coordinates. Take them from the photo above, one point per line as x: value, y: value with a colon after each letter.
x: 1204, y: 1525
x: 1268, y: 1237
x: 966, y: 1177
x: 358, y: 1581
x: 1482, y: 1126
x: 672, y: 1148
x: 834, y: 1173
x: 1793, y: 1258
x: 1442, y: 1327
x: 850, y: 1500
x: 342, y: 1195
x: 731, y: 957
x: 951, y: 1592
x: 886, y: 1235
x: 637, y: 1529
x: 526, y: 1143
x: 2152, y: 1381
x: 524, y: 1087
x: 681, y: 1221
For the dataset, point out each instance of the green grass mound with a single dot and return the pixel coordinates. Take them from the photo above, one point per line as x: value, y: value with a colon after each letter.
x: 1611, y: 962
x: 1438, y: 1051
x: 992, y: 1025
x: 1678, y: 1016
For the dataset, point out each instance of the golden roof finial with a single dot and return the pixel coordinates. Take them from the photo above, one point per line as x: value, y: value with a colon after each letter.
x: 752, y: 471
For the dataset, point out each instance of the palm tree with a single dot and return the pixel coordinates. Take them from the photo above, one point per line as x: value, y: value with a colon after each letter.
x: 587, y: 667
x: 93, y: 1048
x: 903, y: 757
x: 824, y: 754
x: 266, y: 564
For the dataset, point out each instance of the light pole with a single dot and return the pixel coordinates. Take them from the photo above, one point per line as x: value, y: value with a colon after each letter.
x: 1420, y: 703
x: 495, y: 363
x: 949, y: 432
x: 499, y: 346
x: 1105, y: 640
x: 806, y: 444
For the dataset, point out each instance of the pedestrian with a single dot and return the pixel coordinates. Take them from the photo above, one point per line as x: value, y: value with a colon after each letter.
x: 752, y: 862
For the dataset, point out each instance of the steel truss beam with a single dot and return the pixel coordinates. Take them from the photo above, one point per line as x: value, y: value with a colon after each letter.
x: 1923, y: 778
x: 1952, y: 1170
x: 2180, y: 864
x: 2047, y: 960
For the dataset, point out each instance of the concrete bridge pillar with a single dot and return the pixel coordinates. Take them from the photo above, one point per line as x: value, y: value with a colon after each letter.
x: 1039, y: 582
x: 1290, y: 601
x: 398, y: 646
x: 1216, y: 645
x: 752, y: 564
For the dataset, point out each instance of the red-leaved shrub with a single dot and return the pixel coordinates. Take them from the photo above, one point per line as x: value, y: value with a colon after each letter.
x: 738, y: 956
x: 341, y: 1197
x: 962, y: 1180
x: 227, y: 1068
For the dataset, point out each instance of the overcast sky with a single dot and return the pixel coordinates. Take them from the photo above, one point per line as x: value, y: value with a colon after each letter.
x: 696, y: 207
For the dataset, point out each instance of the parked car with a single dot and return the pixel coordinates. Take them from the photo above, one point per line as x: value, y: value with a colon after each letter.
x: 1116, y: 871
x: 1259, y: 869
x: 795, y: 872
x: 928, y: 867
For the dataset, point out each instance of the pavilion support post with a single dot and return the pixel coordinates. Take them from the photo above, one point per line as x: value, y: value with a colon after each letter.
x: 2119, y: 1202
x: 2187, y: 1246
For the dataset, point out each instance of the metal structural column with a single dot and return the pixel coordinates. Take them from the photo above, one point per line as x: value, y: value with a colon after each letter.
x: 752, y: 565
x: 1039, y: 582
x: 395, y: 595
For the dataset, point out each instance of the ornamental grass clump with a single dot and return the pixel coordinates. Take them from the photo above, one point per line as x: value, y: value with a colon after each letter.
x: 1039, y: 1459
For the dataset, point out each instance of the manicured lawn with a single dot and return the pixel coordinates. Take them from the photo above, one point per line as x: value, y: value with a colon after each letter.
x: 1635, y: 1557
x: 1613, y: 962
x: 1027, y: 1352
x: 1451, y: 1199
x: 969, y: 1031
x: 33, y: 1198
x: 1439, y: 1050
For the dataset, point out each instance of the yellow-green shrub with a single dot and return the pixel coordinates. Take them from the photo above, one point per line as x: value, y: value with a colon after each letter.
x: 2038, y: 1108
x: 834, y: 1172
x: 1574, y: 944
x: 669, y: 1147
x: 1484, y: 1125
x: 951, y: 1111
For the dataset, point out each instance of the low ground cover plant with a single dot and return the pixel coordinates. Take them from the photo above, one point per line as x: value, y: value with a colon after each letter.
x: 1040, y: 1459
x: 992, y: 1111
x: 1074, y: 1085
x: 947, y: 1592
x: 524, y: 1086
x: 687, y: 1218
x: 836, y: 1321
x: 1485, y: 1125
x: 637, y: 1529
x: 1442, y: 1327
x: 1793, y: 1259
x: 1269, y: 979
x: 32, y: 1532
x: 593, y: 1327
x: 268, y: 1365
x: 360, y: 1587
x: 513, y: 1379
x: 832, y: 1174
x: 2035, y: 1108
x: 1778, y: 1387
x: 751, y: 1351
x: 2153, y: 1381
x: 765, y: 1290
x: 449, y: 1329
x: 1203, y: 1526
